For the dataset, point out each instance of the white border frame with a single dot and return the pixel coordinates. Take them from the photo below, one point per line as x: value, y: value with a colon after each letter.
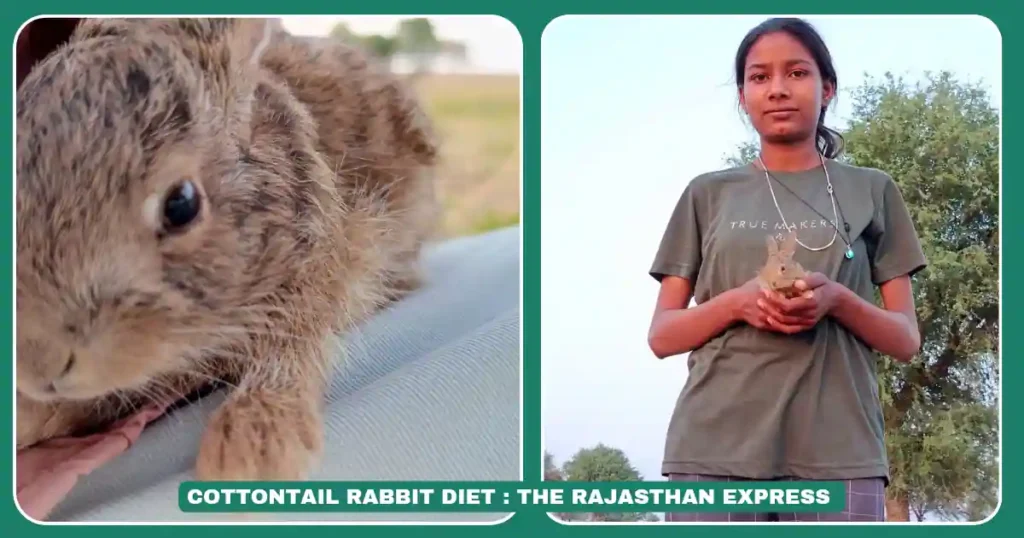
x: 999, y: 502
x: 522, y: 471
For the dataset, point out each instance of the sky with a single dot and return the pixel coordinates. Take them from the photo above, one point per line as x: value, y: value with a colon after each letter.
x: 632, y: 108
x: 493, y: 43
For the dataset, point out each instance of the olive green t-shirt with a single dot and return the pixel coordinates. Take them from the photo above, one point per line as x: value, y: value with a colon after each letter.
x: 761, y: 404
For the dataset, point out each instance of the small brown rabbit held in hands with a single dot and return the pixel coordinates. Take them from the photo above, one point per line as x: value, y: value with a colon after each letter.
x: 780, y: 271
x: 205, y: 200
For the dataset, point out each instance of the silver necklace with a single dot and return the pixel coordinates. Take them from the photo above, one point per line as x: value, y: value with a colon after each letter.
x: 835, y: 213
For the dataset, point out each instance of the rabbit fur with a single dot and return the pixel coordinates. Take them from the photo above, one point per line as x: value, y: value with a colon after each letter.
x: 780, y: 271
x: 314, y: 173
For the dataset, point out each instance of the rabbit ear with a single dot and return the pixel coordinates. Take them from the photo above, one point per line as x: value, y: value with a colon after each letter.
x: 789, y: 243
x: 245, y: 38
x: 249, y: 37
x: 773, y: 247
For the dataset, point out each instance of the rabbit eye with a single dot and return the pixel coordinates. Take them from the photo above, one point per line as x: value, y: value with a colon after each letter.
x: 181, y: 205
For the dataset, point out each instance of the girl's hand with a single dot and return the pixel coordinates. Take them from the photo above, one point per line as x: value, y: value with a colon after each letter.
x: 747, y: 305
x: 791, y: 316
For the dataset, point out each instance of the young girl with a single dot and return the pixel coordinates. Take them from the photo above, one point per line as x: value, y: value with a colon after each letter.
x: 786, y: 388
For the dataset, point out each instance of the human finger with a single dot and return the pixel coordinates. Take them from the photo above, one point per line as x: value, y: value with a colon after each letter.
x: 38, y: 497
x: 799, y: 306
x: 787, y: 328
x: 811, y: 281
x: 772, y: 310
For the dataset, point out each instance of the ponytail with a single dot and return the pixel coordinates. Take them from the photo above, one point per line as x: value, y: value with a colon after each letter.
x: 830, y: 142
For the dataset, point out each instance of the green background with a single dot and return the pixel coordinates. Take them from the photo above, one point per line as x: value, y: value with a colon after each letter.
x: 504, y: 496
x: 530, y: 20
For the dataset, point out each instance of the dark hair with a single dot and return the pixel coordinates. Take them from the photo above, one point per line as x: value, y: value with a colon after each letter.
x: 829, y: 142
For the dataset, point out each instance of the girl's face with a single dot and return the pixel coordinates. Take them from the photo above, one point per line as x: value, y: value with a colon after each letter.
x: 783, y: 91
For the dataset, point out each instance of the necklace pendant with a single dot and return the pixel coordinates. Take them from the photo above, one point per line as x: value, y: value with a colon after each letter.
x: 849, y: 253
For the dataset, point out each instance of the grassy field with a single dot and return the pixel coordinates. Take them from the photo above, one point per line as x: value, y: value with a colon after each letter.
x: 477, y: 118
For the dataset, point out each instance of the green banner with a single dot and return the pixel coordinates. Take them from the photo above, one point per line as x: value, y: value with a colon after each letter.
x: 511, y: 497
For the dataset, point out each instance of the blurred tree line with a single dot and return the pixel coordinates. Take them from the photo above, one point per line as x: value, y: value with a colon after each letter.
x: 599, y: 463
x: 413, y: 38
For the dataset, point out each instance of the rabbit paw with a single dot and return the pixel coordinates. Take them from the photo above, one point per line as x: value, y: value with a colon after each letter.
x: 37, y: 421
x: 260, y: 436
x: 31, y: 418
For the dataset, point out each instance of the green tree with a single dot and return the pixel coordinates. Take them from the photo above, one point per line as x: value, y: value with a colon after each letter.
x: 414, y: 38
x: 553, y: 473
x: 417, y: 36
x: 418, y: 42
x: 342, y: 32
x: 551, y: 470
x: 939, y: 140
x: 380, y: 46
x: 602, y: 463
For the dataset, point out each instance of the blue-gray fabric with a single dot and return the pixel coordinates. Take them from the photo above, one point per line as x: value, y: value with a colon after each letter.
x: 429, y: 390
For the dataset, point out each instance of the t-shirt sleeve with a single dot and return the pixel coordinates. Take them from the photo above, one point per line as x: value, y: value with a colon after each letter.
x: 897, y: 249
x: 679, y: 253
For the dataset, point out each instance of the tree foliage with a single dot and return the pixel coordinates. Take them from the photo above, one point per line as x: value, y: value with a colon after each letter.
x: 417, y: 35
x: 939, y: 140
x: 413, y: 37
x: 551, y: 470
x: 599, y: 463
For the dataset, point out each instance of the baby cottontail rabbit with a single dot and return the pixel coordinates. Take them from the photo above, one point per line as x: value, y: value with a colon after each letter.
x: 208, y: 199
x: 780, y: 271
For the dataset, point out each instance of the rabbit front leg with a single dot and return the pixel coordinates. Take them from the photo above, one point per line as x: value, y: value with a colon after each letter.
x: 37, y: 421
x: 41, y: 421
x: 271, y: 426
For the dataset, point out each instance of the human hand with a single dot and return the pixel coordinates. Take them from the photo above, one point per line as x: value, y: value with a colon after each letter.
x: 46, y: 472
x: 746, y: 305
x: 800, y: 313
